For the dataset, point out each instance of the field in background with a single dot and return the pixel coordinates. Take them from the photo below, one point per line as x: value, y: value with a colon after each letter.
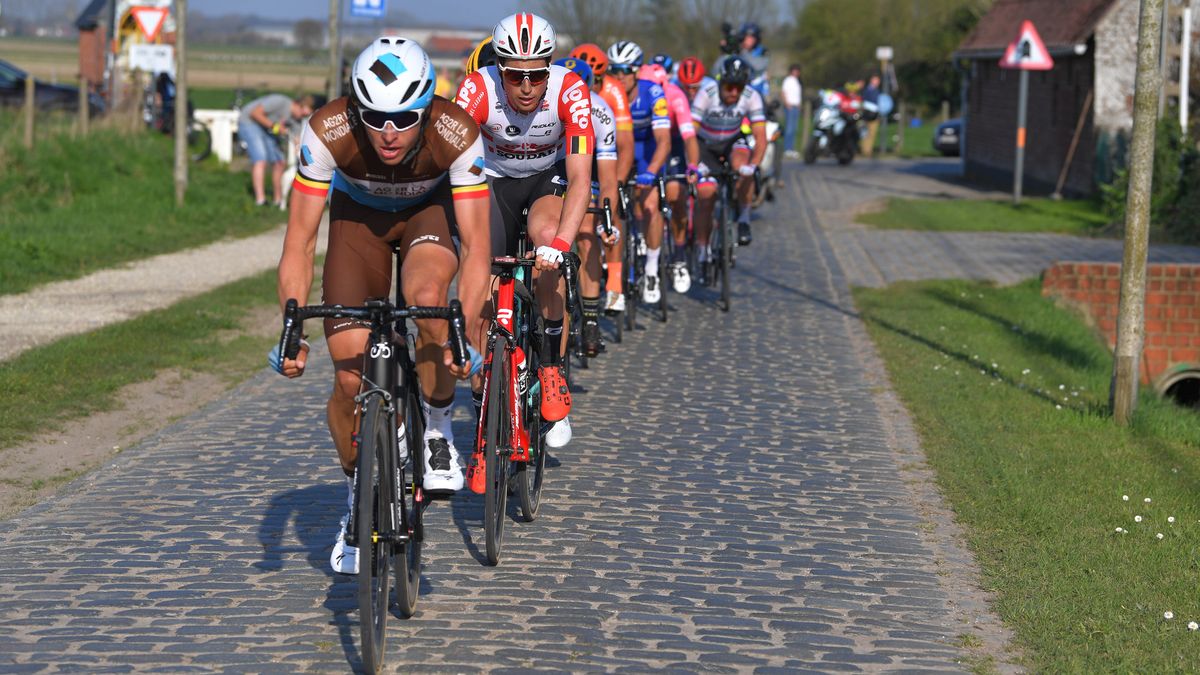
x: 278, y: 69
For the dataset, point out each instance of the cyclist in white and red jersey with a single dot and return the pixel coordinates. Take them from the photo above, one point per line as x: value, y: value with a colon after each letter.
x: 719, y: 111
x: 604, y: 186
x: 403, y: 167
x: 527, y: 109
x: 683, y: 160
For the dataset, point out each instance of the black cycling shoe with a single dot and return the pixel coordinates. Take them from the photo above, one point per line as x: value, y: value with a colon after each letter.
x: 744, y: 237
x: 592, y: 343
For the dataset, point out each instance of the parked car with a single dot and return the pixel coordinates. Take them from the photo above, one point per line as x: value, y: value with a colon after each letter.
x: 46, y: 96
x: 948, y: 137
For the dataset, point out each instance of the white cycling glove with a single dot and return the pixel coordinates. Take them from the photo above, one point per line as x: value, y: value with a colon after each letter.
x: 747, y: 169
x: 549, y: 254
x: 616, y: 233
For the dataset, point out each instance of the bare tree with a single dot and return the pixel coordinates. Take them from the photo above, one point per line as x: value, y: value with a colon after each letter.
x: 586, y: 21
x: 308, y: 34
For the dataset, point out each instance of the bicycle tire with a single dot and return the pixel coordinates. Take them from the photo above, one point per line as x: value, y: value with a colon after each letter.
x: 529, y: 476
x: 199, y: 141
x: 406, y: 562
x: 497, y: 446
x: 371, y: 515
x: 722, y: 228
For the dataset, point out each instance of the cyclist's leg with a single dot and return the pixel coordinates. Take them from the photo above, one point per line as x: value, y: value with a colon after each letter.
x: 589, y: 283
x: 556, y: 397
x: 706, y: 197
x: 429, y: 256
x: 744, y: 190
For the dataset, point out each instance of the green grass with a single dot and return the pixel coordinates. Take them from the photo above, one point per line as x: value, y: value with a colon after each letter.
x: 918, y: 141
x: 72, y: 206
x: 1077, y: 217
x: 48, y: 386
x: 1009, y: 394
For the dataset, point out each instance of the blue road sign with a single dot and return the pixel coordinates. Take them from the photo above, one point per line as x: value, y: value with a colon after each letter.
x: 375, y: 9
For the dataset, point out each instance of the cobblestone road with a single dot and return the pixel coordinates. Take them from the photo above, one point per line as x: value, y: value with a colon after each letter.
x: 743, y: 494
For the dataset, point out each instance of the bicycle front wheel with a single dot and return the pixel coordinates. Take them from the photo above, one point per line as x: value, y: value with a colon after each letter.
x: 374, y: 507
x: 725, y: 250
x: 497, y: 447
x: 407, y: 558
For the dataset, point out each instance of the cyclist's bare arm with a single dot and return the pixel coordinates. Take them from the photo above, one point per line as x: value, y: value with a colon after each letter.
x: 579, y: 194
x: 691, y: 150
x: 662, y: 137
x: 624, y: 153
x: 474, y: 270
x: 759, y: 130
x: 296, y: 263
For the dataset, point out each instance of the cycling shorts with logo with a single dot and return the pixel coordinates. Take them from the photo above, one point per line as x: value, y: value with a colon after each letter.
x: 358, y: 263
x: 512, y: 197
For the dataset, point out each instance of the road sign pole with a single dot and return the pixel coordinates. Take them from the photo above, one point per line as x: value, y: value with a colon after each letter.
x: 1019, y: 169
x: 335, y: 53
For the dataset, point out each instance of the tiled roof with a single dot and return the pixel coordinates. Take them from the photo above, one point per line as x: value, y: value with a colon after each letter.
x: 1061, y: 23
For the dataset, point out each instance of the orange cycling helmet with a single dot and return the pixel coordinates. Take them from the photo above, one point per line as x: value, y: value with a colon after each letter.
x: 594, y: 56
x: 691, y: 71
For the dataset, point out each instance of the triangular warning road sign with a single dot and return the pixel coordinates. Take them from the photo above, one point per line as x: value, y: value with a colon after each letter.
x: 1027, y: 52
x: 150, y: 20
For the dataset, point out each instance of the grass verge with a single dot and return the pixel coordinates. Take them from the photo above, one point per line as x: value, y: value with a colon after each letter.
x: 49, y: 386
x: 1077, y: 217
x: 72, y: 207
x: 1009, y: 394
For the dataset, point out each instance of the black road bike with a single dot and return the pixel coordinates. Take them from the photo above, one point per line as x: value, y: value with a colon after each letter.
x: 386, y: 522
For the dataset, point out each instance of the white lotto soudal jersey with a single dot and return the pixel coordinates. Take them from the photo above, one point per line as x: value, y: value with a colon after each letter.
x: 517, y: 145
x: 605, y: 128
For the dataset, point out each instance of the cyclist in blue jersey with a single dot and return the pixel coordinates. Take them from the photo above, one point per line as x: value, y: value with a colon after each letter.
x: 652, y: 147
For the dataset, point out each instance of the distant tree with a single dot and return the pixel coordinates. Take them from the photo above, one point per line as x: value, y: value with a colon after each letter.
x: 835, y: 40
x: 309, y: 34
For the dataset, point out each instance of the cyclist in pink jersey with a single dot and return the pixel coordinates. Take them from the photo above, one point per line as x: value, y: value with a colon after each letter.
x: 684, y: 158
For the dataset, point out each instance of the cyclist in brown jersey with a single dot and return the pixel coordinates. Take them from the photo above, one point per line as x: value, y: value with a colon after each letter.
x: 405, y: 168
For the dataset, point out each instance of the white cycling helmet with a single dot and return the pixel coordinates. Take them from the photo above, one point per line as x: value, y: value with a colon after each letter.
x: 393, y: 74
x: 523, y: 36
x: 625, y: 53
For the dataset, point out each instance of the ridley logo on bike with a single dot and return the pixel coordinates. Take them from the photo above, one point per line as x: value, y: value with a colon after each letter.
x: 381, y: 350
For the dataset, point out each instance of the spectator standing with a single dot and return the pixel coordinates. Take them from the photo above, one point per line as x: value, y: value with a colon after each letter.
x: 263, y: 121
x: 870, y: 94
x: 793, y: 97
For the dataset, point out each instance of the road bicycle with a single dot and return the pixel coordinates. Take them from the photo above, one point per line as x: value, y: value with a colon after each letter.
x: 386, y: 521
x: 510, y: 435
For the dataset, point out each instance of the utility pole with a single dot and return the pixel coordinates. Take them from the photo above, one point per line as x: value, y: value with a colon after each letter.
x: 181, y: 102
x: 335, y: 51
x: 1132, y: 309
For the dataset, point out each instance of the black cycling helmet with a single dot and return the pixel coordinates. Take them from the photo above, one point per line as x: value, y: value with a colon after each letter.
x: 734, y: 70
x: 751, y: 28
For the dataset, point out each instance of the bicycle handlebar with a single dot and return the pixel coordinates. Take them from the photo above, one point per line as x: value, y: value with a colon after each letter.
x: 605, y: 211
x: 570, y: 266
x: 373, y: 310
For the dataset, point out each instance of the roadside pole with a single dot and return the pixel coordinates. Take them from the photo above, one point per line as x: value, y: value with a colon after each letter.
x: 335, y: 52
x: 1025, y: 53
x: 1132, y: 308
x: 1185, y: 68
x: 181, y: 100
x: 1019, y: 167
x: 29, y: 107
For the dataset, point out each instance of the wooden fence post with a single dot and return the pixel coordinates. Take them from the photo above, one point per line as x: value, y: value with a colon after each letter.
x: 29, y: 109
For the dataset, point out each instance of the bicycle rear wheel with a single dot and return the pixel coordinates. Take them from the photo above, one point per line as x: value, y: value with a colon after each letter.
x: 497, y: 447
x: 407, y: 558
x: 199, y: 140
x: 374, y: 516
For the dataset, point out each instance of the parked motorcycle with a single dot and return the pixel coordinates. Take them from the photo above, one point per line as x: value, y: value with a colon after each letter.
x: 836, y: 132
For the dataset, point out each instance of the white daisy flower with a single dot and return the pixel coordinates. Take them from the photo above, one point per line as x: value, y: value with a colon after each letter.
x: 1147, y: 500
x: 1137, y: 519
x: 1192, y: 625
x: 1124, y: 498
x: 1159, y: 536
x: 1170, y: 519
x: 1168, y: 615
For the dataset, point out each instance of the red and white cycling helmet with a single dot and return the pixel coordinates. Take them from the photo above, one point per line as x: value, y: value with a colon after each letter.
x: 523, y: 36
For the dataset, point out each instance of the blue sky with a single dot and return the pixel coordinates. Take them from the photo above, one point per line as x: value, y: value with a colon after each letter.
x: 465, y: 13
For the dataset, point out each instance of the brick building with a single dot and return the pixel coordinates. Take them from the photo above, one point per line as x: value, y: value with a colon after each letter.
x: 1094, y: 45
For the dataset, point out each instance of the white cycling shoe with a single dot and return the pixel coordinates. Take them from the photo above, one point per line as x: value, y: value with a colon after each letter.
x: 681, y: 280
x: 651, y: 293
x: 559, y: 434
x: 344, y: 558
x: 614, y: 301
x: 443, y: 469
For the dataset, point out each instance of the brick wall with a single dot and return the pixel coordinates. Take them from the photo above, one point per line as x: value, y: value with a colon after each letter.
x: 1055, y: 100
x: 1172, y: 308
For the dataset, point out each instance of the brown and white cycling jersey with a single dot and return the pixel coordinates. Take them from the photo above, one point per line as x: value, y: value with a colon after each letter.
x: 334, y: 153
